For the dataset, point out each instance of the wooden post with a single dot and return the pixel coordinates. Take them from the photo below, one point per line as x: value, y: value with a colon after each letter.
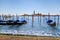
x: 54, y: 18
x: 58, y: 20
x: 28, y: 17
x: 0, y: 17
x: 9, y: 16
x: 32, y: 20
x: 38, y: 17
x: 24, y: 16
x: 17, y: 16
x: 33, y: 17
x: 13, y: 17
x: 48, y: 16
x: 43, y: 18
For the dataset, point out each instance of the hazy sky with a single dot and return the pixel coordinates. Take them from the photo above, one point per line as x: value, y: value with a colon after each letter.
x: 28, y: 6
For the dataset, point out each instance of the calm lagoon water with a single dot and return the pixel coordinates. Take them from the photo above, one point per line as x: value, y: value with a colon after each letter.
x: 39, y: 28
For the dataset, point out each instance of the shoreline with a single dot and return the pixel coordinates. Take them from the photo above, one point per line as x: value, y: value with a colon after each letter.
x: 12, y: 37
x: 27, y: 35
x: 18, y: 35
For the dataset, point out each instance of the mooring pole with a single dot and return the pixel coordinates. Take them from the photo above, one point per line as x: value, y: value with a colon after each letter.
x: 9, y: 16
x: 13, y: 16
x: 0, y: 17
x: 17, y: 17
x: 43, y: 18
x: 38, y: 17
x: 58, y: 20
x: 28, y: 17
x: 24, y: 16
x: 32, y: 20
x: 48, y: 16
x: 33, y: 17
x: 54, y: 17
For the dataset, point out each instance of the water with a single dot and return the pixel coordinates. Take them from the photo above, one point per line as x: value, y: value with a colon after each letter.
x: 39, y: 28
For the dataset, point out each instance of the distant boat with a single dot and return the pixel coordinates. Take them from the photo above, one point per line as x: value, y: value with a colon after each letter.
x: 12, y: 22
x: 51, y: 23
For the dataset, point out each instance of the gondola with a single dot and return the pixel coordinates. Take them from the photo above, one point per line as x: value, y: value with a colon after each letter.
x: 51, y: 23
x: 12, y: 22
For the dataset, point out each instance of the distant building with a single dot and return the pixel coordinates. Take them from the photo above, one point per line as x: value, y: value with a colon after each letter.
x: 38, y: 14
x: 25, y: 14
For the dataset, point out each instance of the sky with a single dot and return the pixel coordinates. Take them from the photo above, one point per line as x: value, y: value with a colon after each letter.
x: 28, y: 6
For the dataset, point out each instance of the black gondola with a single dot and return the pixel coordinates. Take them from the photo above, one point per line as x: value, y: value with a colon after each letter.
x: 11, y: 22
x: 51, y: 23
